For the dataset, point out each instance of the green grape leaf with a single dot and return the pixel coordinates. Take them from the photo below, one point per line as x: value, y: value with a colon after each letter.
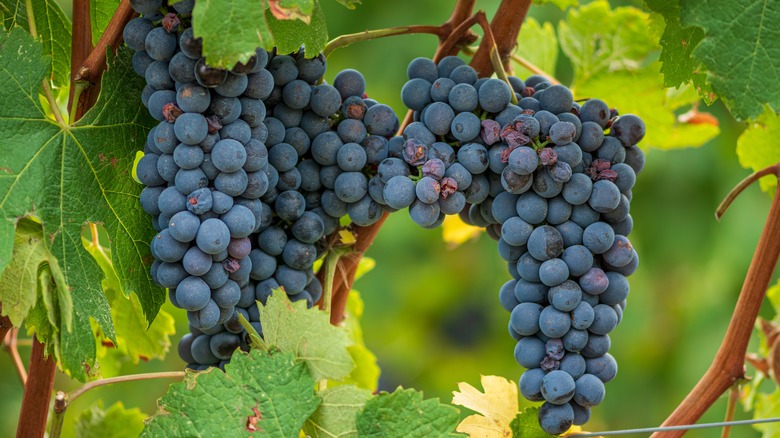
x: 767, y: 406
x: 289, y: 35
x: 308, y: 334
x: 526, y: 425
x: 68, y: 176
x: 52, y: 27
x: 350, y: 4
x: 19, y: 282
x: 100, y: 13
x: 366, y: 372
x: 739, y: 51
x: 42, y: 320
x: 134, y: 337
x: 405, y: 413
x: 650, y: 101
x: 757, y: 147
x: 231, y: 31
x: 292, y: 9
x: 116, y: 422
x: 560, y: 4
x: 678, y: 43
x: 538, y: 44
x: 262, y: 394
x: 623, y: 42
x: 337, y: 414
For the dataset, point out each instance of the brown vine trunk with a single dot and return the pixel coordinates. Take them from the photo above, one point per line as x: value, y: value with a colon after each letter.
x: 37, y: 394
x: 81, y: 45
x: 505, y: 26
x: 729, y: 363
x: 90, y: 71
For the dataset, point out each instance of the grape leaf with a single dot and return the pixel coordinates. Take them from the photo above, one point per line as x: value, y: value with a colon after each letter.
x: 539, y: 45
x: 350, y: 4
x: 100, y: 13
x: 560, y: 4
x: 292, y: 9
x: 455, y: 232
x: 739, y: 51
x: 405, y: 413
x: 767, y: 406
x: 308, y: 334
x: 231, y: 31
x: 650, y: 101
x: 19, y: 282
x: 366, y: 372
x: 337, y: 414
x: 526, y: 425
x: 51, y: 25
x: 270, y: 395
x: 497, y: 405
x: 678, y: 43
x: 135, y: 338
x: 289, y: 35
x: 623, y: 41
x: 116, y: 422
x: 70, y: 175
x: 757, y: 147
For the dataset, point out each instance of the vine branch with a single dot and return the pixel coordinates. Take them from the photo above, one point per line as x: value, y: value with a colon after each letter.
x: 37, y: 394
x: 87, y: 77
x: 81, y: 46
x: 367, y: 35
x: 729, y: 364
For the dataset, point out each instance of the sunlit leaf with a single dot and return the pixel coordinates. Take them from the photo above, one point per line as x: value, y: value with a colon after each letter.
x: 757, y: 147
x: 497, y: 407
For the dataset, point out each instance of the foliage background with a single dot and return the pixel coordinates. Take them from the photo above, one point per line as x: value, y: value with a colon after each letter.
x: 432, y: 315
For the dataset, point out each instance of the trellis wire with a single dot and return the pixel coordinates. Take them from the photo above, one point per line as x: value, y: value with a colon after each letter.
x: 683, y: 427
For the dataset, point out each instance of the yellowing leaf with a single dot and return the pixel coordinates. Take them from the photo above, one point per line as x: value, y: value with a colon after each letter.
x: 347, y: 238
x: 455, y: 232
x: 757, y: 146
x: 497, y: 406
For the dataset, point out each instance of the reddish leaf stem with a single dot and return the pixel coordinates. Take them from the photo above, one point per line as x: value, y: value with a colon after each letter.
x: 37, y: 394
x: 728, y: 365
x: 91, y: 70
x: 10, y: 345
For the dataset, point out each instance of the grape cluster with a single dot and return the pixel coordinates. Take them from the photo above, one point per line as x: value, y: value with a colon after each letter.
x: 554, y: 190
x: 246, y: 173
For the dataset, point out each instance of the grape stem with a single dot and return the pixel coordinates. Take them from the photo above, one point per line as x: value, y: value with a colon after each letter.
x: 528, y: 65
x: 733, y: 396
x: 329, y: 267
x: 495, y: 58
x: 10, y: 345
x: 750, y: 179
x: 347, y: 40
x: 62, y: 400
x: 728, y: 366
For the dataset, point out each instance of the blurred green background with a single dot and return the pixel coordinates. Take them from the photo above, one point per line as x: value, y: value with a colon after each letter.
x: 432, y: 314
